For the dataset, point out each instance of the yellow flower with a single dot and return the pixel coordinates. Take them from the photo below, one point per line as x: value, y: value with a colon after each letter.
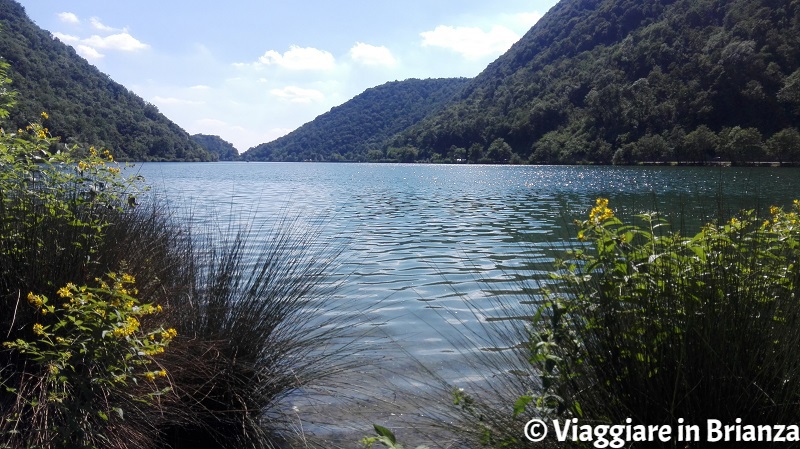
x: 161, y: 373
x: 131, y: 325
x: 169, y: 334
x: 774, y: 210
x: 38, y: 329
x: 601, y: 212
x: 35, y: 300
x: 45, y: 116
x: 66, y: 291
x: 149, y: 376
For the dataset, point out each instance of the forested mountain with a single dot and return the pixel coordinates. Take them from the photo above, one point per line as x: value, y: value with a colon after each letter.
x: 219, y: 148
x: 633, y: 80
x: 357, y: 130
x: 84, y: 105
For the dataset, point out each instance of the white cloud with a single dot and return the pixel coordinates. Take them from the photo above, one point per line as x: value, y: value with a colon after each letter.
x: 121, y: 41
x: 88, y: 52
x: 90, y: 48
x: 68, y: 17
x: 300, y: 58
x: 372, y: 55
x: 66, y: 38
x: 471, y: 42
x: 98, y: 25
x: 294, y: 94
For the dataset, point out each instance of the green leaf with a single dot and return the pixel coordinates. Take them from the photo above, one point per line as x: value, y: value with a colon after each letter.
x: 521, y: 404
x: 577, y: 408
x: 384, y: 432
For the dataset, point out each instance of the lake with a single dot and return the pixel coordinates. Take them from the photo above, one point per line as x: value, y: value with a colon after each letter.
x: 434, y: 251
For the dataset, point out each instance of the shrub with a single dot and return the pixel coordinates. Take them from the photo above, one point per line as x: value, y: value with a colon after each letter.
x: 83, y: 365
x: 647, y: 324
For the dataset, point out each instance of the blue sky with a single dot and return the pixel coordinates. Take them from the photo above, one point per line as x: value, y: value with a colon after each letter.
x: 251, y: 71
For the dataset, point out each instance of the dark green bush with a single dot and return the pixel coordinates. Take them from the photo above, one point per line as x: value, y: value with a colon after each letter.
x: 647, y: 324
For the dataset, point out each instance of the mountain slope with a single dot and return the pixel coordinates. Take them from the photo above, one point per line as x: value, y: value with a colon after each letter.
x: 361, y: 125
x: 220, y: 148
x: 84, y: 105
x: 627, y: 80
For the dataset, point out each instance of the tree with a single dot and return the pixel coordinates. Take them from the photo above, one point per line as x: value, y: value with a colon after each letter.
x: 740, y: 145
x: 374, y: 155
x: 650, y: 148
x: 475, y: 153
x: 405, y: 154
x: 700, y: 145
x: 499, y: 151
x: 790, y: 93
x: 784, y: 146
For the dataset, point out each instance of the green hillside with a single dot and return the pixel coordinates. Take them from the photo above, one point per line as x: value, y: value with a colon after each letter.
x: 634, y: 80
x: 357, y: 130
x: 218, y: 147
x: 84, y: 105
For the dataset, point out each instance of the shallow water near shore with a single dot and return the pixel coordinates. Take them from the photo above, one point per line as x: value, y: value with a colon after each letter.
x: 433, y: 252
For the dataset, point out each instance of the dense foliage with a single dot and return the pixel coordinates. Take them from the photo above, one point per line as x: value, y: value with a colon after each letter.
x: 648, y: 324
x: 628, y: 80
x: 221, y: 149
x: 87, y: 107
x: 356, y: 130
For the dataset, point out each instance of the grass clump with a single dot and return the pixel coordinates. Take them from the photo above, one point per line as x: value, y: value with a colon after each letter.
x: 253, y: 331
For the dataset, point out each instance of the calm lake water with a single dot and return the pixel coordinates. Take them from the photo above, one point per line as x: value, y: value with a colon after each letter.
x: 427, y: 245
